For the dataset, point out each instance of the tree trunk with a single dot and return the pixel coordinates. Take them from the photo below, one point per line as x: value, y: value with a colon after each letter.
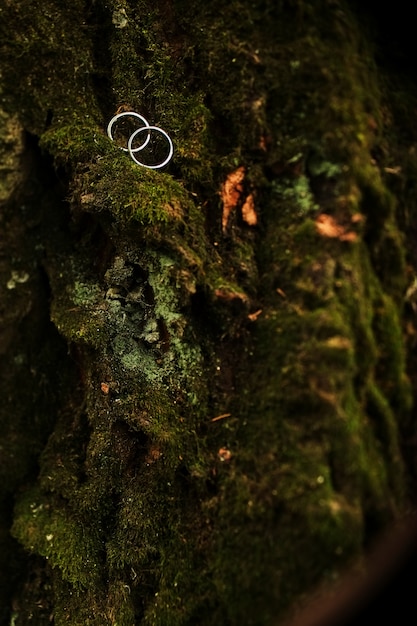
x: 206, y: 370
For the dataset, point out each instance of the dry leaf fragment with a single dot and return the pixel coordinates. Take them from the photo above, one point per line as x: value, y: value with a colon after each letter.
x: 263, y: 143
x: 350, y: 236
x: 254, y: 316
x: 224, y: 454
x: 229, y: 296
x: 231, y: 191
x: 393, y: 170
x: 248, y: 211
x: 154, y: 453
x: 231, y: 195
x: 105, y: 388
x: 327, y: 226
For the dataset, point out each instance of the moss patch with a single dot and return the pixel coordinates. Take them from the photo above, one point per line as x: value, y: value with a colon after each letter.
x: 232, y: 434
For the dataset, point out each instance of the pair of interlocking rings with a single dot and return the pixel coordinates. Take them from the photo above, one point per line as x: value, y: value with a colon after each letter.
x: 147, y: 129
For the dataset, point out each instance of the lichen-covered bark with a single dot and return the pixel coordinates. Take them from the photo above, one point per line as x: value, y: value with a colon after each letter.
x: 207, y: 371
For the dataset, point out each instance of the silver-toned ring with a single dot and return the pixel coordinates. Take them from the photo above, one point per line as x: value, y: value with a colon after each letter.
x: 129, y: 114
x: 150, y: 128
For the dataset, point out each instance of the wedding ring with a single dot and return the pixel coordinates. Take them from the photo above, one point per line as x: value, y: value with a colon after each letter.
x: 128, y: 114
x: 149, y: 129
x: 155, y: 129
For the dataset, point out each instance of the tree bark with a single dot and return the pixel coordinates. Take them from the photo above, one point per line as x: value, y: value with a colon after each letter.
x: 207, y: 372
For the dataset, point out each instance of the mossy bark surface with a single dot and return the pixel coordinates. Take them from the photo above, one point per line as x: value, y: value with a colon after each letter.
x: 206, y: 372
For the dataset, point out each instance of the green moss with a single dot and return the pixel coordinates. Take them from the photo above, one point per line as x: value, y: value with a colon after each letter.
x: 10, y: 148
x: 386, y: 430
x: 131, y: 192
x: 93, y: 607
x: 145, y: 507
x: 58, y: 536
x: 54, y: 45
x: 76, y: 142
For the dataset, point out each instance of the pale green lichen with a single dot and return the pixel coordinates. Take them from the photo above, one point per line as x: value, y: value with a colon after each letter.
x: 85, y: 294
x: 297, y: 195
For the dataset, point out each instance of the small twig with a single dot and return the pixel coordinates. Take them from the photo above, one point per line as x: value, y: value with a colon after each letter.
x: 220, y: 417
